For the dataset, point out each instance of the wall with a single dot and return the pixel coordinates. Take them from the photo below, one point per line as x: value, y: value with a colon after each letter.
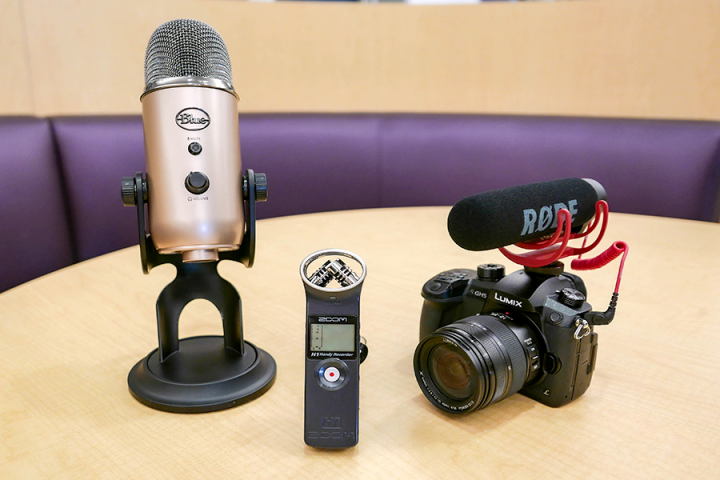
x: 641, y: 58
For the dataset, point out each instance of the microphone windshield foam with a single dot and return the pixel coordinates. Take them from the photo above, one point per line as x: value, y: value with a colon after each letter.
x: 503, y: 217
x: 182, y: 48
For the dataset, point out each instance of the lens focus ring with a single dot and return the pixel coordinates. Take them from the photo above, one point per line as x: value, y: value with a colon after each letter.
x: 513, y: 349
x: 496, y: 361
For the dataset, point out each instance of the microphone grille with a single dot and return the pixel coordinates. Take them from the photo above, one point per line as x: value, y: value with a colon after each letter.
x: 183, y: 48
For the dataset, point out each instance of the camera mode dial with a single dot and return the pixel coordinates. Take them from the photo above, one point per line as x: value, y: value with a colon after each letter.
x: 571, y: 298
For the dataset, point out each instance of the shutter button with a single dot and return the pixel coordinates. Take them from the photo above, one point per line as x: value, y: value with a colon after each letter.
x: 197, y: 183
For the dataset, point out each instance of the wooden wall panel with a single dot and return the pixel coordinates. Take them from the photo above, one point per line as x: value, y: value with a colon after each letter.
x: 645, y: 58
x: 16, y: 91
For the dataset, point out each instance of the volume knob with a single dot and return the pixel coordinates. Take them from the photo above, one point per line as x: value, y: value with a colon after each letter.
x: 197, y: 183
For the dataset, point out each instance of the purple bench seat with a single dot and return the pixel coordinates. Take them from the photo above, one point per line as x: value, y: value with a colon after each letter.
x: 36, y: 235
x: 61, y: 199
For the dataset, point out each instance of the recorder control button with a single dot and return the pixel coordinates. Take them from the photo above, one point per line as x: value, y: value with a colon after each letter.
x: 331, y: 374
x: 195, y: 148
x: 197, y: 183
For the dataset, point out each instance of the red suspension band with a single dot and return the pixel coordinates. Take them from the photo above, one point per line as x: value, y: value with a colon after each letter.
x: 545, y: 252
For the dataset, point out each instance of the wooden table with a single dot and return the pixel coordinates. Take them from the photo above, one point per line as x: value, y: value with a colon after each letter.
x: 68, y: 340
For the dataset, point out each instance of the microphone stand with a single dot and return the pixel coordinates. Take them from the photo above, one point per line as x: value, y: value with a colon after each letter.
x: 205, y: 373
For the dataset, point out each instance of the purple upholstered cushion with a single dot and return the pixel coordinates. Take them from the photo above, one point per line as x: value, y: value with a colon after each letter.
x: 35, y: 237
x: 321, y: 162
x: 314, y: 163
x: 96, y: 152
x: 668, y: 168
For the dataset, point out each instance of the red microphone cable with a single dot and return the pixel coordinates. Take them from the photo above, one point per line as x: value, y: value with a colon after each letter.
x: 615, y: 250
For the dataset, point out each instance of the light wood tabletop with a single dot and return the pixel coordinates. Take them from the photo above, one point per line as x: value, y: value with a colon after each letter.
x: 69, y: 339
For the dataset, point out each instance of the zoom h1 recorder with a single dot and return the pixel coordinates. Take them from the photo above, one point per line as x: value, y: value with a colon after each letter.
x: 333, y: 350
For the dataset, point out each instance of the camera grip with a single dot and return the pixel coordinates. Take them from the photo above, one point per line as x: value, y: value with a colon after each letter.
x: 431, y: 317
x: 577, y: 363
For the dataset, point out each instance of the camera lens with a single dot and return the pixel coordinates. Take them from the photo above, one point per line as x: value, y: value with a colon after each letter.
x: 475, y: 362
x: 450, y: 371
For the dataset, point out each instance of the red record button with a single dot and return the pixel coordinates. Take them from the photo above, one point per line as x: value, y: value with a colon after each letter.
x: 331, y: 374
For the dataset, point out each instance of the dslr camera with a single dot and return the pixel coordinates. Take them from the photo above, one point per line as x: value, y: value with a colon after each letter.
x: 485, y: 335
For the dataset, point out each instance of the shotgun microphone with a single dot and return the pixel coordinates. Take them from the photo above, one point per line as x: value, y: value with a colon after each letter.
x: 192, y: 148
x: 499, y: 218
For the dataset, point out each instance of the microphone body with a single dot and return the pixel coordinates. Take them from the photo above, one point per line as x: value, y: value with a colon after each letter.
x: 186, y: 217
x: 499, y: 218
x: 192, y: 148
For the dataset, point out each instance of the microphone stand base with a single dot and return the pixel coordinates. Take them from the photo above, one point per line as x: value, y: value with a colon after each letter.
x: 202, y: 376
